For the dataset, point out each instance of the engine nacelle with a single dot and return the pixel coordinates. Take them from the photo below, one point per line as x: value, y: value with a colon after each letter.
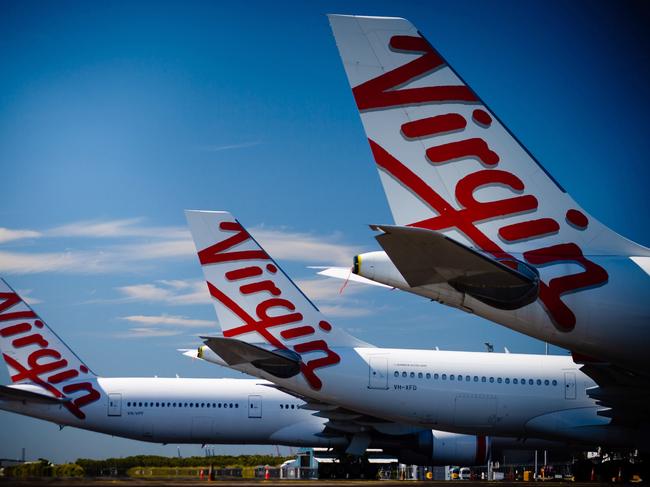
x: 442, y: 448
x: 378, y: 267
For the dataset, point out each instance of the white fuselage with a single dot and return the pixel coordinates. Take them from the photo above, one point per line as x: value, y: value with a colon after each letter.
x: 612, y: 321
x: 464, y: 392
x: 174, y: 410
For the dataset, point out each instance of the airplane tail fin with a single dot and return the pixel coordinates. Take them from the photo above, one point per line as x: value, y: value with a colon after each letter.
x: 446, y: 162
x: 35, y: 355
x: 255, y: 301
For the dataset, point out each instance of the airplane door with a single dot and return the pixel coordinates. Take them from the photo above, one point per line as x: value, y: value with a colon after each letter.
x: 378, y: 372
x: 115, y: 404
x: 254, y: 406
x: 569, y: 385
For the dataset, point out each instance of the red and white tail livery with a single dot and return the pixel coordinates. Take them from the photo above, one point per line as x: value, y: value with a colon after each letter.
x: 254, y: 299
x: 37, y: 358
x: 448, y: 165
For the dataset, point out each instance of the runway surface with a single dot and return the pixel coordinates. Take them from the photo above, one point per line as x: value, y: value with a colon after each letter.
x: 271, y: 483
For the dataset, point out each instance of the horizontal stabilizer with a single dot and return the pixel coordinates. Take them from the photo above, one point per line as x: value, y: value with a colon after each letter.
x: 346, y: 274
x: 280, y: 363
x: 9, y: 393
x: 426, y: 257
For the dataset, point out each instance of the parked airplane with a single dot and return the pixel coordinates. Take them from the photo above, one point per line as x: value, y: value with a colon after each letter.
x: 273, y: 331
x: 50, y: 382
x: 481, y: 225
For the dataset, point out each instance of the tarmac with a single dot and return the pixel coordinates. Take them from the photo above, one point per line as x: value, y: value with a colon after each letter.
x: 270, y: 483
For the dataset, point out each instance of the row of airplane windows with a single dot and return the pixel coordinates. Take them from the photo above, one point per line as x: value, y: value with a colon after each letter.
x: 468, y: 378
x: 181, y: 404
x: 214, y: 405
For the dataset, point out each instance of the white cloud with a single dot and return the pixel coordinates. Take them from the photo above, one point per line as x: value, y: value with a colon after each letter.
x: 165, y: 319
x: 127, y: 227
x: 176, y: 292
x: 8, y: 235
x: 147, y: 333
x: 304, y: 247
x: 141, y: 244
x: 82, y: 262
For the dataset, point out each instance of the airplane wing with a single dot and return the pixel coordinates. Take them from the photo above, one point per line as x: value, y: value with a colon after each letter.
x: 428, y: 257
x: 346, y: 274
x: 623, y: 393
x: 284, y: 364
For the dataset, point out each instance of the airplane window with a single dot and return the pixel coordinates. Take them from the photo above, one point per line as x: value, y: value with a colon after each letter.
x: 523, y: 382
x: 219, y: 405
x: 435, y: 376
x: 491, y: 379
x: 231, y: 405
x: 236, y: 405
x: 468, y: 378
x: 202, y: 404
x: 476, y: 378
x: 404, y: 374
x: 444, y: 376
x: 420, y: 375
x: 293, y: 406
x: 507, y: 381
x: 460, y: 377
x: 157, y: 404
x: 169, y: 404
x: 499, y: 380
x: 191, y: 404
x: 451, y: 377
x: 515, y: 381
x: 412, y: 375
x: 539, y: 382
x: 162, y: 404
x: 428, y: 375
x: 531, y: 382
x: 281, y: 406
x: 396, y: 374
x: 128, y: 403
x: 185, y: 405
x: 196, y: 404
x: 554, y: 382
x: 546, y: 382
x: 483, y: 379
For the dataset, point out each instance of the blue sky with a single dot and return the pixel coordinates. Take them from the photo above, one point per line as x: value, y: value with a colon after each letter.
x: 116, y: 116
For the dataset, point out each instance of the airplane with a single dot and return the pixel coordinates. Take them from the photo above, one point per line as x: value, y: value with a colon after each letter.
x: 480, y: 225
x: 50, y: 382
x: 273, y: 331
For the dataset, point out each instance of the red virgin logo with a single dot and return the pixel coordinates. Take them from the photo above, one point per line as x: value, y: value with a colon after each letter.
x: 44, y: 365
x: 381, y: 93
x: 270, y: 312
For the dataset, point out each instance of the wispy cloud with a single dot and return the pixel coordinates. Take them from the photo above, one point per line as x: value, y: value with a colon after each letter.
x: 127, y: 227
x: 138, y: 245
x: 147, y: 333
x: 174, y: 292
x: 225, y: 147
x: 165, y: 319
x: 304, y: 247
x: 9, y: 235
